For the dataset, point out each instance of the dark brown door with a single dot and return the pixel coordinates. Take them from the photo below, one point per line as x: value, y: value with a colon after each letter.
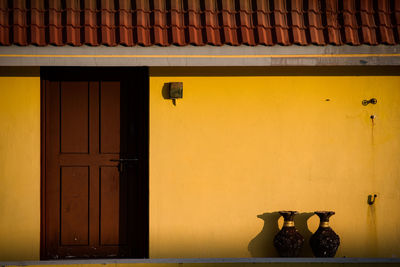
x: 95, y: 185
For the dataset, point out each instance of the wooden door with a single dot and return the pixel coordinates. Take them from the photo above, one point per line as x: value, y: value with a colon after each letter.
x: 95, y: 185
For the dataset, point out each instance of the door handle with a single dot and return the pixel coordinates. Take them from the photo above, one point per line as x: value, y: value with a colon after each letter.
x: 122, y: 162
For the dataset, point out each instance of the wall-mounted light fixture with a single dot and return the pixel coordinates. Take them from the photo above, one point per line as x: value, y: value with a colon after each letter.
x: 174, y: 90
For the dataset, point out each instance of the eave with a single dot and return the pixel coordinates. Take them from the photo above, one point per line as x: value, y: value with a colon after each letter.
x: 380, y: 55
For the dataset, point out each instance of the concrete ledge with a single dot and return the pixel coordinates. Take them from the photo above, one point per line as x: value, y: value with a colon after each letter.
x: 201, y: 56
x: 218, y: 261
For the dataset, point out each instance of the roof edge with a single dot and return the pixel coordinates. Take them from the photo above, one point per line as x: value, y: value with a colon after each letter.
x: 380, y: 55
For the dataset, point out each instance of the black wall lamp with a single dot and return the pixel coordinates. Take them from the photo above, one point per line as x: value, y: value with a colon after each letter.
x: 173, y: 90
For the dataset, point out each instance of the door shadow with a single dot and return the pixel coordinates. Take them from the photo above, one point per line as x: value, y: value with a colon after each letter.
x: 262, y: 245
x: 134, y: 176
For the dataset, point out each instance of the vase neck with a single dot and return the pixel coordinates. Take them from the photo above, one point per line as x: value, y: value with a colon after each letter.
x: 288, y: 223
x: 324, y: 218
x: 324, y: 224
x: 288, y: 215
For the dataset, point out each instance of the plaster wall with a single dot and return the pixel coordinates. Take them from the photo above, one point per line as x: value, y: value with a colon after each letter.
x: 238, y: 148
x: 235, y: 150
x: 19, y: 167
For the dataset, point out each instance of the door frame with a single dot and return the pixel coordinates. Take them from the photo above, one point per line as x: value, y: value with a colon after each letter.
x: 86, y: 73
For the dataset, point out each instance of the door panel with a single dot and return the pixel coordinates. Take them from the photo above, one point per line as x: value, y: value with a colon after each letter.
x: 74, y: 205
x: 112, y: 218
x: 110, y: 124
x: 90, y: 196
x: 74, y: 105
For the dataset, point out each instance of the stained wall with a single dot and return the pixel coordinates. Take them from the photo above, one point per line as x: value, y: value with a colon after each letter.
x: 243, y: 144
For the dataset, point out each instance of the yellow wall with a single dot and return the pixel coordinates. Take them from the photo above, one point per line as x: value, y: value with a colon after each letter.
x: 237, y: 149
x: 19, y: 168
x: 231, y: 153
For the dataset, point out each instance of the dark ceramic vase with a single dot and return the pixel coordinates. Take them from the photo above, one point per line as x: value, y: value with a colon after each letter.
x: 288, y: 242
x: 324, y: 242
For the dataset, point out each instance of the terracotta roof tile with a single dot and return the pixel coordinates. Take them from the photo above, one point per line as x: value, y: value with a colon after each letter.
x: 38, y: 26
x: 212, y: 25
x: 143, y: 22
x: 195, y: 23
x: 332, y: 22
x: 247, y: 32
x: 73, y: 25
x: 397, y: 18
x: 350, y: 22
x: 4, y: 23
x: 125, y: 23
x: 229, y: 26
x: 298, y: 24
x: 20, y: 23
x: 55, y: 25
x: 199, y: 22
x: 385, y: 25
x: 108, y: 27
x: 368, y: 26
x: 178, y: 23
x: 264, y: 25
x: 281, y: 23
x: 315, y: 22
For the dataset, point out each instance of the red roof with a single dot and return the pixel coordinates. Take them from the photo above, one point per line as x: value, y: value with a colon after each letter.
x: 199, y: 22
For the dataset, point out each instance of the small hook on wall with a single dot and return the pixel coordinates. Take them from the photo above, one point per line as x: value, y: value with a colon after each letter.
x: 372, y: 101
x: 371, y: 199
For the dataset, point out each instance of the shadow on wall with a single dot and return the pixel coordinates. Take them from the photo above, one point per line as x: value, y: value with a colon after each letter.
x: 262, y: 245
x: 300, y: 221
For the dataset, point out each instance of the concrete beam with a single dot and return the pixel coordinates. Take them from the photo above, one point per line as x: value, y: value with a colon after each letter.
x: 201, y: 56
